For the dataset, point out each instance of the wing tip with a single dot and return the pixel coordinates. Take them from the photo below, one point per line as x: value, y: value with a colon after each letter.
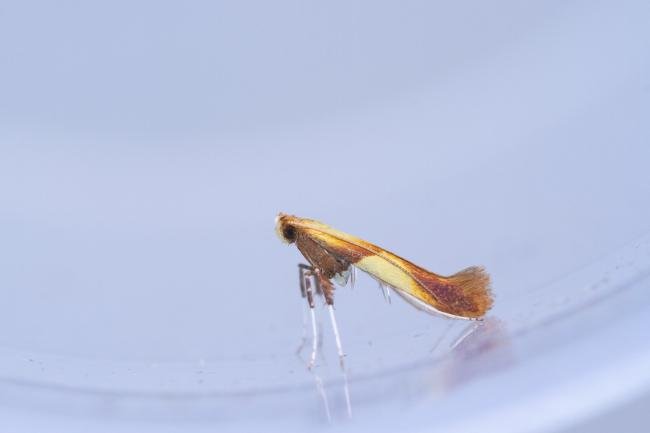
x: 475, y: 285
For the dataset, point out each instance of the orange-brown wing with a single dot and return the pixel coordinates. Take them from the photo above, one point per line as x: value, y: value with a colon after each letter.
x: 465, y: 294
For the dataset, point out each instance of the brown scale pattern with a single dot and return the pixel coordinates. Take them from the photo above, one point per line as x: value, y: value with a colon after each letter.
x: 466, y: 293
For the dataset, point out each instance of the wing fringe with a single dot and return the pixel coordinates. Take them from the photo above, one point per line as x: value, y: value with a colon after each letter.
x: 474, y: 284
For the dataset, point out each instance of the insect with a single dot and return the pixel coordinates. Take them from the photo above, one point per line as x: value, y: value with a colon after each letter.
x: 334, y: 255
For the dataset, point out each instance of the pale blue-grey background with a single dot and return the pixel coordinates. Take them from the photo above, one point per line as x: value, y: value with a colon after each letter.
x: 145, y: 148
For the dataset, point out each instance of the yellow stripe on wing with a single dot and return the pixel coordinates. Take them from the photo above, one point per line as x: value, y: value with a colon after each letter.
x: 381, y: 264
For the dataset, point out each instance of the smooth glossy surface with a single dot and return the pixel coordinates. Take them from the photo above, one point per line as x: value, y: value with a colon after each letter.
x: 142, y: 166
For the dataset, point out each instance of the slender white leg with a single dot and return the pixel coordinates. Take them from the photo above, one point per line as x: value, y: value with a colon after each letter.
x: 307, y: 292
x: 442, y: 335
x: 319, y: 327
x: 346, y: 392
x: 339, y: 348
x: 302, y: 277
x: 467, y: 331
x: 337, y: 336
x: 314, y: 339
x: 353, y: 276
x: 385, y: 290
x: 321, y: 390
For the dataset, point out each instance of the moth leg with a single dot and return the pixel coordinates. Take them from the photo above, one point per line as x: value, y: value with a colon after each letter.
x: 385, y: 290
x: 315, y: 341
x: 467, y: 331
x: 307, y: 291
x: 317, y: 283
x: 302, y: 269
x: 303, y: 293
x: 337, y: 336
x: 328, y: 292
x: 324, y: 286
x: 321, y: 390
x: 442, y: 335
x: 318, y: 292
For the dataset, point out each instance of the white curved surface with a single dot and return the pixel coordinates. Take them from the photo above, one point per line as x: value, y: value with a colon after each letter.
x: 145, y: 151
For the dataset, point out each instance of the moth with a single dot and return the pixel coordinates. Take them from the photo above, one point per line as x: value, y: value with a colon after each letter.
x: 333, y: 255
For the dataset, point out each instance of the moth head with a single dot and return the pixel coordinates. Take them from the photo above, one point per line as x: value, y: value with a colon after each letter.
x: 285, y: 230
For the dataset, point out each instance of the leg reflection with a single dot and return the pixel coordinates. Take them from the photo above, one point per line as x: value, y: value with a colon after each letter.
x: 321, y: 390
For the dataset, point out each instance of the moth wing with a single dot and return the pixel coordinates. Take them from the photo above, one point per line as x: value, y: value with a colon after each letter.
x: 465, y: 294
x: 427, y: 308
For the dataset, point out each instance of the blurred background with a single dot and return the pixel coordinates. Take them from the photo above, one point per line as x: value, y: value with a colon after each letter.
x: 146, y: 147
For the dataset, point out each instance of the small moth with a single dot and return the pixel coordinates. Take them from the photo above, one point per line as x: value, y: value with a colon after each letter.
x: 333, y: 255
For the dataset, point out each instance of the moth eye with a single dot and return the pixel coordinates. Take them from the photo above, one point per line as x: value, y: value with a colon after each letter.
x: 289, y: 233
